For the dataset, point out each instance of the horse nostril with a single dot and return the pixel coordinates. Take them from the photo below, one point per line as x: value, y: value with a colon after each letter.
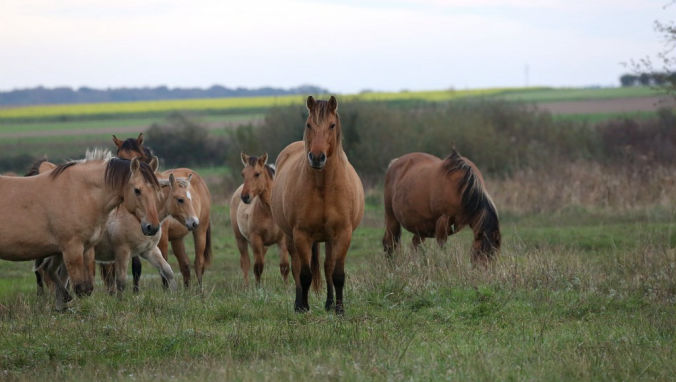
x: 245, y: 198
x: 322, y: 157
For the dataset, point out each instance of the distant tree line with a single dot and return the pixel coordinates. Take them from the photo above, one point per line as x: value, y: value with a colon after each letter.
x: 648, y: 79
x: 63, y: 95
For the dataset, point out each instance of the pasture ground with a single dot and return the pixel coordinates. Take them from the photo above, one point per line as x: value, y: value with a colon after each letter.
x: 575, y: 295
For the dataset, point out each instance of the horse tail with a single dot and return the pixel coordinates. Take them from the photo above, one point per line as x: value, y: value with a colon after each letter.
x: 478, y: 209
x: 314, y: 268
x: 208, y: 254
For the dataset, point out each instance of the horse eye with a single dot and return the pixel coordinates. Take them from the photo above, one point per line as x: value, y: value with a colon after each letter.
x: 257, y: 174
x: 308, y: 126
x: 137, y: 191
x: 332, y: 126
x: 181, y: 200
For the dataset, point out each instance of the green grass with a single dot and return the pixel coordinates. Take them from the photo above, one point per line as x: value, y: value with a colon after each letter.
x: 576, y: 94
x: 602, y: 117
x: 593, y: 301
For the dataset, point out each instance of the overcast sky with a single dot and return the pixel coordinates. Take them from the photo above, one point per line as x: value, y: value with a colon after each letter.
x: 345, y: 46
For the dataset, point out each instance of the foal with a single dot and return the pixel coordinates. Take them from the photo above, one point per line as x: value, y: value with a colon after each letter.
x: 252, y: 219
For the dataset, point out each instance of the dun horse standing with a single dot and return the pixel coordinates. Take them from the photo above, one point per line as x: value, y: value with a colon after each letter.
x: 63, y: 212
x: 251, y: 218
x: 174, y: 231
x: 318, y: 197
x: 432, y: 197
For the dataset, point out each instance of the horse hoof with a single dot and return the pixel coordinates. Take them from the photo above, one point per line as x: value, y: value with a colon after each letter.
x: 340, y: 311
x: 84, y: 289
x: 301, y: 309
x: 328, y: 306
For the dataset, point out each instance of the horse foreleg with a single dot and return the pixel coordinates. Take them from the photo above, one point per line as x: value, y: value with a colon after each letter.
x: 200, y: 238
x: 303, y: 251
x: 259, y: 257
x: 136, y: 269
x: 78, y: 271
x: 339, y: 247
x: 122, y: 256
x: 416, y: 241
x: 244, y: 261
x: 329, y: 264
x: 154, y: 257
x: 163, y: 246
x: 183, y: 261
x: 284, y: 260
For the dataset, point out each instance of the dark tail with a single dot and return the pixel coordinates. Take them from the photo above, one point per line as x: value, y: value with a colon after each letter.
x: 314, y: 267
x: 208, y: 254
x: 478, y: 208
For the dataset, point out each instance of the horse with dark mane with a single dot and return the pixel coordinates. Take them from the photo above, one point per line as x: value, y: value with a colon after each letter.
x: 318, y: 197
x: 432, y: 197
x: 132, y: 148
x: 63, y: 212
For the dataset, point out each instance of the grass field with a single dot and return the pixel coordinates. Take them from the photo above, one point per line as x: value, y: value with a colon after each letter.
x: 574, y: 295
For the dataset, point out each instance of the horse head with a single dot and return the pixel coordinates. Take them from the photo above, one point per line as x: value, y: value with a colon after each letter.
x: 257, y: 176
x: 139, y: 188
x: 132, y: 148
x: 322, y: 132
x: 179, y: 201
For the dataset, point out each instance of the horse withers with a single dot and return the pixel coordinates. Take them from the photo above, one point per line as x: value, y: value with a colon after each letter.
x: 318, y: 197
x: 433, y: 197
x: 63, y: 212
x: 251, y: 218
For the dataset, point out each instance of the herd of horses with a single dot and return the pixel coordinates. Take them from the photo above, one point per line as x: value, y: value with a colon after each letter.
x: 115, y: 210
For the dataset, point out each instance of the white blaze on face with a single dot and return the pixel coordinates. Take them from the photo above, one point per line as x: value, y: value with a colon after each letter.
x: 189, y: 196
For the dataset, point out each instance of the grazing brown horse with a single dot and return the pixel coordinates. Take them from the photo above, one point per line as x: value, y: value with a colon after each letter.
x: 434, y: 197
x: 63, y: 212
x: 251, y: 218
x: 174, y: 231
x: 318, y: 197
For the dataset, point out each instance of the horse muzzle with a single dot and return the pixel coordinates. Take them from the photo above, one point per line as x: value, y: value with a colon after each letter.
x: 192, y: 223
x: 316, y: 161
x: 149, y: 229
x: 246, y: 198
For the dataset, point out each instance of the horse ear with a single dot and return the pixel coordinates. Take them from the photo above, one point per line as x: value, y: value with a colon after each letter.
x: 310, y: 103
x: 263, y: 159
x: 172, y: 180
x: 117, y: 142
x: 154, y: 163
x: 134, y: 165
x: 333, y: 104
x: 245, y: 158
x: 139, y: 140
x: 189, y: 177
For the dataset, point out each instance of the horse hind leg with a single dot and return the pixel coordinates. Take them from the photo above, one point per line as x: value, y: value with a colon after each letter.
x: 108, y: 276
x: 244, y: 261
x: 200, y: 238
x: 56, y: 271
x: 329, y: 265
x: 441, y: 230
x: 392, y: 233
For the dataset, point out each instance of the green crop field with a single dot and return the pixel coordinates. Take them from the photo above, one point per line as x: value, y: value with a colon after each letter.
x: 575, y: 295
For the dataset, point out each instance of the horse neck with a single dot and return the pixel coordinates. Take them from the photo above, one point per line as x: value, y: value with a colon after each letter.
x: 165, y: 200
x: 265, y: 195
x: 335, y: 164
x: 92, y: 176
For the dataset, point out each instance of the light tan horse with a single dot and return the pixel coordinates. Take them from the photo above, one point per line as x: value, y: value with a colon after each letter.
x: 64, y: 212
x: 122, y: 240
x: 251, y: 218
x: 174, y: 231
x: 432, y: 197
x: 318, y: 197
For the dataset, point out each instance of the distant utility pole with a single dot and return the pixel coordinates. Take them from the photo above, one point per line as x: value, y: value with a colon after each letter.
x: 525, y: 75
